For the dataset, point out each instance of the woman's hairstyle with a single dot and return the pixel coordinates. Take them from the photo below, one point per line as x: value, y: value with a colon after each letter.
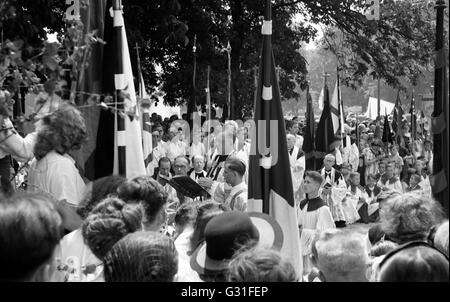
x: 145, y: 191
x: 98, y: 190
x: 30, y: 229
x: 415, y: 261
x: 141, y: 257
x: 409, y: 217
x: 382, y: 248
x: 186, y: 214
x: 108, y: 222
x: 61, y: 131
x: 260, y: 265
x: 440, y: 240
x: 205, y: 213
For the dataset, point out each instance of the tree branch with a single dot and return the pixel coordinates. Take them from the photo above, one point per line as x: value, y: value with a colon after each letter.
x: 285, y: 4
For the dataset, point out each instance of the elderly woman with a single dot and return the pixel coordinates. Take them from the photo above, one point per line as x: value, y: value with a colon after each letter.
x: 53, y: 170
x: 409, y: 217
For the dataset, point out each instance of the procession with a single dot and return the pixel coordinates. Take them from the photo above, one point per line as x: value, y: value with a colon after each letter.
x: 218, y: 141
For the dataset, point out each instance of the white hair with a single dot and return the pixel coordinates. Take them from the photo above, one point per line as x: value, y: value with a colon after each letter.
x: 342, y: 256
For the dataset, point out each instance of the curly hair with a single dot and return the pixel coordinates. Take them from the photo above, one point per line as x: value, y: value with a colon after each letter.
x: 30, y: 230
x: 260, y: 265
x: 145, y: 191
x: 109, y: 222
x: 409, y: 217
x: 97, y: 191
x: 142, y: 257
x: 62, y: 130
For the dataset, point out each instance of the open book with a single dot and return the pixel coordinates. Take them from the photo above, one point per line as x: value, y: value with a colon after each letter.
x: 185, y: 185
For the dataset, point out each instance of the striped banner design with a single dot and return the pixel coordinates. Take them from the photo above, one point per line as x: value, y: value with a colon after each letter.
x: 334, y: 108
x: 270, y: 187
x: 440, y: 116
x: 119, y: 81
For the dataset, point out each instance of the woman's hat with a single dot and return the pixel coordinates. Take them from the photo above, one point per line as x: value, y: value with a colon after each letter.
x: 225, y: 233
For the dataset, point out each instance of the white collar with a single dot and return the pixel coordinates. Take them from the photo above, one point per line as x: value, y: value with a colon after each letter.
x: 331, y: 171
x: 238, y: 187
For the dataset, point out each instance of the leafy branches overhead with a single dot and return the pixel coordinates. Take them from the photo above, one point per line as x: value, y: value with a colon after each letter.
x: 399, y: 45
x: 28, y: 60
x: 239, y: 22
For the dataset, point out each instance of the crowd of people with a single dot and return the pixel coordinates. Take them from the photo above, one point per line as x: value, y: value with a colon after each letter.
x: 144, y: 229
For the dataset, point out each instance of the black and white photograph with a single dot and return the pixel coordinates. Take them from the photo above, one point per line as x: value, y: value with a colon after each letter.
x: 222, y: 146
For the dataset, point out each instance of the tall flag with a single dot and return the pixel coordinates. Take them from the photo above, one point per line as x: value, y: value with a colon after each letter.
x: 270, y: 185
x: 208, y: 109
x: 413, y: 119
x: 397, y: 119
x: 440, y: 116
x: 146, y: 125
x: 341, y: 113
x: 325, y: 138
x: 128, y: 155
x: 334, y: 108
x: 320, y: 101
x: 309, y: 135
x: 387, y: 134
x: 357, y: 134
x: 104, y: 151
x: 93, y: 18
